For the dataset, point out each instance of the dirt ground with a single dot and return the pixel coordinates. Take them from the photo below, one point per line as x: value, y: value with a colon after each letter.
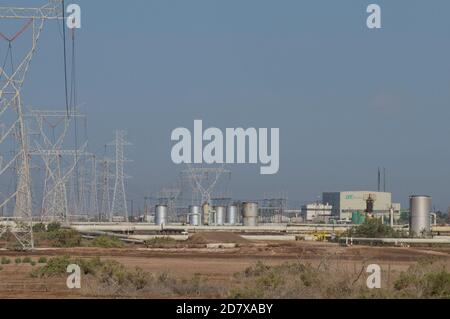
x: 217, y: 265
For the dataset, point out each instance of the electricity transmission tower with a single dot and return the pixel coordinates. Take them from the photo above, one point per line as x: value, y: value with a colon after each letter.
x: 55, y: 197
x: 52, y: 128
x: 203, y: 181
x: 105, y: 189
x: 119, y: 203
x: 169, y: 196
x: 93, y: 196
x: 12, y: 113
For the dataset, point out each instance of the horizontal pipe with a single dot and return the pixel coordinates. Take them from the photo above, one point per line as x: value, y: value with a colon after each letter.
x: 397, y: 240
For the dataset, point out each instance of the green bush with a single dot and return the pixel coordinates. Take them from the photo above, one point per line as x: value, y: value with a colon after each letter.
x: 424, y: 280
x: 18, y: 261
x: 39, y: 228
x: 27, y: 260
x: 42, y: 260
x: 374, y: 228
x: 33, y: 263
x: 107, y: 242
x: 5, y: 261
x: 54, y: 267
x: 64, y: 238
x: 53, y: 227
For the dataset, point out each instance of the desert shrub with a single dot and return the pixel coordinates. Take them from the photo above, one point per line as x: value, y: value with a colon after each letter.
x: 160, y: 242
x: 64, y: 238
x: 26, y: 260
x: 39, y: 228
x: 427, y: 279
x: 5, y: 261
x: 52, y: 227
x: 374, y: 228
x: 90, y: 266
x: 437, y: 284
x: 18, y: 261
x: 42, y: 260
x: 54, y: 267
x: 33, y: 263
x: 107, y: 242
x: 288, y: 280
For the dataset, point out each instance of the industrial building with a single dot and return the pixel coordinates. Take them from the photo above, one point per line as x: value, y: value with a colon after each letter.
x: 317, y: 212
x: 344, y: 204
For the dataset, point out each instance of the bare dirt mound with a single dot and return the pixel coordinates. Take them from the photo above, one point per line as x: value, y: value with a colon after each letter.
x: 216, y: 238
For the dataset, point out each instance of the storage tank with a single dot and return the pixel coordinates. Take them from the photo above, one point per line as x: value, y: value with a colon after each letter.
x: 250, y: 214
x: 420, y: 209
x: 206, y: 211
x: 194, y: 215
x: 220, y: 214
x: 232, y: 215
x: 161, y: 213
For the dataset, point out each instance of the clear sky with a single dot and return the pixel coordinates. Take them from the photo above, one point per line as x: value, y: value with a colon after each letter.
x: 346, y: 99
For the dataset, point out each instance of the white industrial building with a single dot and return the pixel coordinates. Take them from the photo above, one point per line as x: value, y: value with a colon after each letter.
x: 316, y: 212
x: 346, y: 203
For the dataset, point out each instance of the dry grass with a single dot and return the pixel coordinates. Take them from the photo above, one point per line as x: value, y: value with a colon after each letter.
x: 292, y: 280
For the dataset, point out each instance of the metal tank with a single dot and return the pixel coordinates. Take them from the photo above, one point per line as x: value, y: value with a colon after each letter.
x: 232, y: 215
x: 161, y: 214
x: 419, y: 220
x: 194, y: 215
x: 220, y: 214
x: 250, y: 214
x: 206, y: 209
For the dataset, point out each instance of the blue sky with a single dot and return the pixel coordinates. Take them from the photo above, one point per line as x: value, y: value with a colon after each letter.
x: 346, y: 99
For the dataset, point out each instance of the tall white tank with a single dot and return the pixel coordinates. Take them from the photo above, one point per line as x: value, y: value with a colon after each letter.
x: 232, y: 215
x: 206, y: 210
x: 194, y: 215
x: 250, y: 214
x: 161, y: 214
x: 420, y: 209
x: 220, y: 214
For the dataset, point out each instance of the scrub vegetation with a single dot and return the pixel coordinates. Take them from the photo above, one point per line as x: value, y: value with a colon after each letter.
x: 292, y: 280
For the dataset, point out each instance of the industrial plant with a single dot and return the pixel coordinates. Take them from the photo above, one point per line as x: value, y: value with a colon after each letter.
x: 59, y: 197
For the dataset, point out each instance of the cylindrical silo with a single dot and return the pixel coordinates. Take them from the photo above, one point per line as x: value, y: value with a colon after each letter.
x: 250, y: 214
x: 161, y: 214
x: 220, y: 214
x: 420, y: 209
x: 232, y: 215
x: 194, y: 215
x: 206, y: 213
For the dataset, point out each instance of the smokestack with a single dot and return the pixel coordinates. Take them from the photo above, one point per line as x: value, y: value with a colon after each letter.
x: 379, y: 179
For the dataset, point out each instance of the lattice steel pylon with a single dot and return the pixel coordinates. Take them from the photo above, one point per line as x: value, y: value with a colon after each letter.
x: 119, y: 202
x: 54, y: 197
x: 105, y: 189
x: 203, y: 180
x: 169, y: 196
x: 12, y: 114
x: 93, y: 194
